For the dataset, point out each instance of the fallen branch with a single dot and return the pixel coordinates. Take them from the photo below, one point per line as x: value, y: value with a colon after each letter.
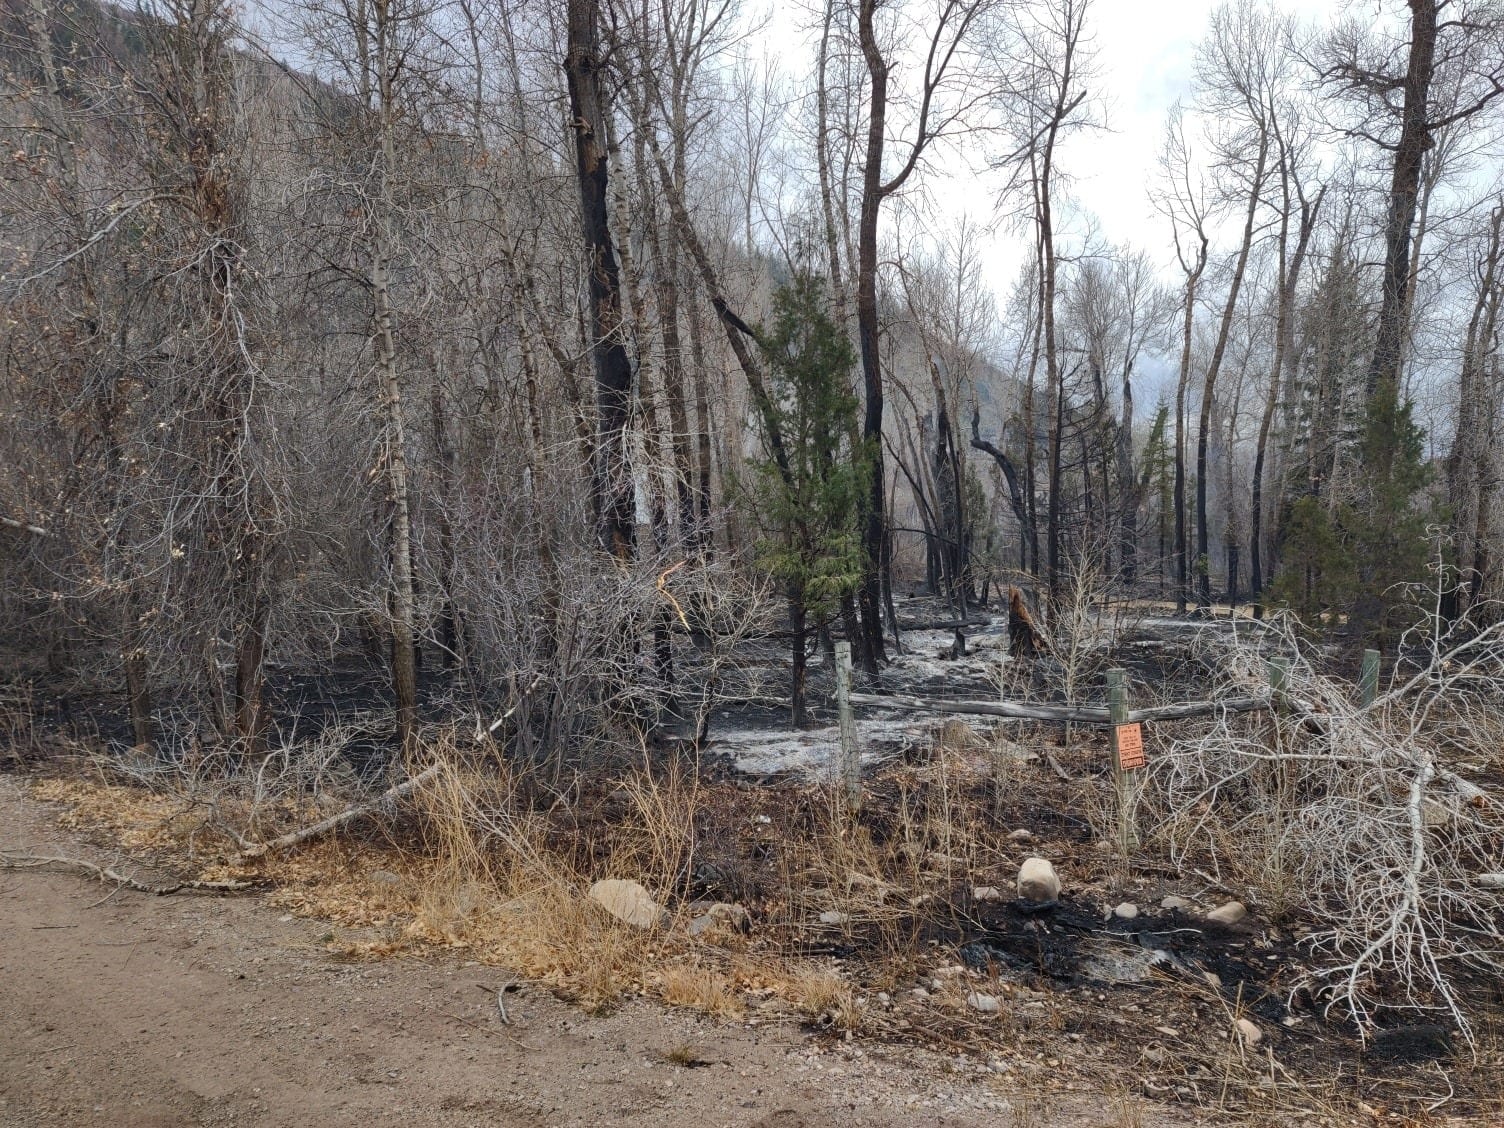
x: 110, y: 876
x: 334, y: 822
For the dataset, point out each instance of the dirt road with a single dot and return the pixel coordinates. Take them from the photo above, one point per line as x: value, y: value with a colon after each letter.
x: 124, y: 1009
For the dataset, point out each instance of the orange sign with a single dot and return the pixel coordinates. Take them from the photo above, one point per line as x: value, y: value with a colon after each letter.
x: 1130, y: 745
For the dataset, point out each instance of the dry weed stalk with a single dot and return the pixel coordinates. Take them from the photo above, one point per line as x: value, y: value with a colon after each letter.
x: 1356, y: 813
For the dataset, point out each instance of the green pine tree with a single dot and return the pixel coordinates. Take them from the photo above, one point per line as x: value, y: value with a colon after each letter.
x: 805, y: 494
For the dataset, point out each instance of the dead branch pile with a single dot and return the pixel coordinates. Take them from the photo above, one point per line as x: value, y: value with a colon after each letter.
x: 1360, y: 816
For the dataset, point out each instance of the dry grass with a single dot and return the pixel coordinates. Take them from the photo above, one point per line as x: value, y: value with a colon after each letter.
x: 700, y: 988
x: 822, y: 994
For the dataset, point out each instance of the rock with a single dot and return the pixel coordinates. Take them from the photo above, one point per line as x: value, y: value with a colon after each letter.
x: 1228, y: 914
x: 385, y: 877
x: 830, y: 916
x: 1434, y: 813
x: 1126, y: 911
x: 1250, y: 1034
x: 1490, y: 880
x: 1213, y: 980
x: 1020, y: 835
x: 986, y: 893
x: 627, y: 901
x: 1173, y: 903
x: 1038, y: 882
x: 987, y: 1004
x: 721, y: 915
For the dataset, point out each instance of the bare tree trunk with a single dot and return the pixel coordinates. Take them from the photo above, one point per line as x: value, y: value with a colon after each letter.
x: 1289, y: 273
x: 1409, y: 156
x: 869, y: 596
x: 612, y: 478
x: 798, y: 632
x: 1469, y: 464
x: 403, y: 604
x: 1213, y: 368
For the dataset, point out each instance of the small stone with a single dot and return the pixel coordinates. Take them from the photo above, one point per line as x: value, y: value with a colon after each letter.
x: 1228, y: 914
x: 1173, y: 903
x: 986, y: 893
x: 830, y: 916
x: 1213, y: 980
x: 1491, y: 880
x: 1250, y: 1034
x: 385, y: 877
x: 721, y: 915
x: 627, y: 901
x: 1126, y: 911
x: 986, y: 1004
x: 1021, y: 835
x: 1038, y: 882
x: 919, y: 993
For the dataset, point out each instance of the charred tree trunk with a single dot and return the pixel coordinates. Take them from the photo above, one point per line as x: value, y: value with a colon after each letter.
x: 869, y: 595
x: 611, y: 474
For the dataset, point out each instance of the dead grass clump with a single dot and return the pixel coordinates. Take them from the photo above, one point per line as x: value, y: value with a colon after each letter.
x: 700, y: 988
x: 552, y: 933
x: 821, y: 994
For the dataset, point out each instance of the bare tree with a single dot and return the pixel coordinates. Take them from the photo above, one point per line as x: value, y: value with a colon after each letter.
x: 944, y: 96
x: 1240, y: 71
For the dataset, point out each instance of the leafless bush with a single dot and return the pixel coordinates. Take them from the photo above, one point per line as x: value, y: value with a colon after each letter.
x: 1358, y: 814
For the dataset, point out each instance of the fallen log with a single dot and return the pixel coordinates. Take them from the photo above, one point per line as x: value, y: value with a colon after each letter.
x: 1012, y: 709
x: 334, y: 822
x: 1063, y: 714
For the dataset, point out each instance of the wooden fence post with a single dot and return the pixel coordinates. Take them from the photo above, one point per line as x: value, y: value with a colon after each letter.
x: 1123, y: 781
x: 1279, y: 681
x: 851, y: 755
x: 1368, y: 678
